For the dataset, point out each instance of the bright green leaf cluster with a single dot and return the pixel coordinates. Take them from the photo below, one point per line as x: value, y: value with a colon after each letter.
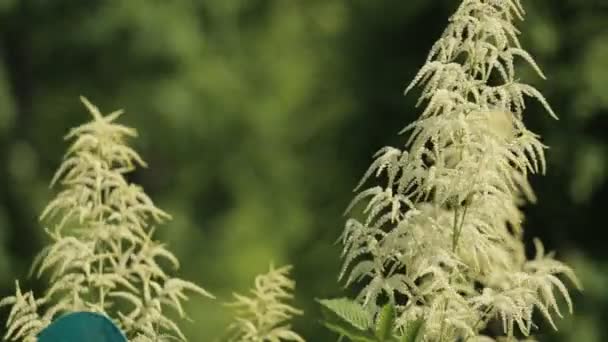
x: 350, y: 319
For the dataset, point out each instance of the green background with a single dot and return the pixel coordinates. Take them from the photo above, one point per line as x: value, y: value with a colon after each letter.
x: 257, y: 118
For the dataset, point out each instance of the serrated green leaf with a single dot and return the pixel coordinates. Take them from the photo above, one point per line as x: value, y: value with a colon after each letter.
x: 385, y: 322
x: 348, y: 311
x: 412, y: 330
x: 346, y: 330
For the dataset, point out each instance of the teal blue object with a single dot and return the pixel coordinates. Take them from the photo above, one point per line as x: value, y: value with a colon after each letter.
x: 81, y: 327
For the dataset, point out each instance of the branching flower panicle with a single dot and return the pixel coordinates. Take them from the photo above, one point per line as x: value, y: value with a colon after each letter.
x: 103, y: 257
x: 442, y: 236
x: 264, y: 317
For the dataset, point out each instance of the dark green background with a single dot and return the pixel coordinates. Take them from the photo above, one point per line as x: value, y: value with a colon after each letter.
x: 257, y: 117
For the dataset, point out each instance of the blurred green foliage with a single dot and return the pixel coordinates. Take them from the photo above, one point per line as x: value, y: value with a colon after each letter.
x: 257, y: 118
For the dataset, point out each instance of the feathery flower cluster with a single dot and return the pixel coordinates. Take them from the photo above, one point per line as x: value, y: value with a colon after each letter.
x: 442, y: 237
x: 264, y: 316
x: 102, y: 257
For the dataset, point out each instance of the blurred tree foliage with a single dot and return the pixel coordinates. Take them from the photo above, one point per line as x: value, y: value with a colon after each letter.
x: 257, y: 118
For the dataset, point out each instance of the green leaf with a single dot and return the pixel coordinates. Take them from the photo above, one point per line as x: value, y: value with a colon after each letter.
x: 412, y: 330
x: 343, y: 328
x: 347, y: 310
x: 385, y: 322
